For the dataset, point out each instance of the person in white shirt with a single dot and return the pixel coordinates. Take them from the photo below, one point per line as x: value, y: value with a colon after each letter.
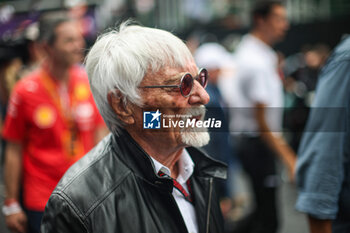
x: 256, y: 95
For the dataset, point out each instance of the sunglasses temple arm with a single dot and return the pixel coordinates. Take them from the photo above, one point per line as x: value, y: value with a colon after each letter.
x: 161, y: 86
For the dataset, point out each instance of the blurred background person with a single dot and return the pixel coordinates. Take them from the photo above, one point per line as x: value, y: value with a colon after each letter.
x: 18, y: 56
x: 215, y: 58
x: 10, y: 64
x: 79, y: 11
x: 305, y: 66
x: 301, y: 72
x: 323, y: 167
x: 256, y: 92
x: 51, y: 122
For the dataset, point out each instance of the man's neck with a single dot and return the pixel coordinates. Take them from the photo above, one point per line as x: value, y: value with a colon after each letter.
x: 163, y: 153
x: 59, y: 72
x: 263, y: 37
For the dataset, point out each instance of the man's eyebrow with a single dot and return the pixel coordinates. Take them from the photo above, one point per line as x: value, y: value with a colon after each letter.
x: 172, y: 80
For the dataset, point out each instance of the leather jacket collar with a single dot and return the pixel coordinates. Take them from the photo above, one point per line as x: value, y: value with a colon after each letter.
x: 124, y: 145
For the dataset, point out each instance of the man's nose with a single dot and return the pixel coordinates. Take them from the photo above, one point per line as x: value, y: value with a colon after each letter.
x: 199, y: 95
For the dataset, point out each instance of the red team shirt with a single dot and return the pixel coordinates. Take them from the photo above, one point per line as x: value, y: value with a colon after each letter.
x: 55, y: 127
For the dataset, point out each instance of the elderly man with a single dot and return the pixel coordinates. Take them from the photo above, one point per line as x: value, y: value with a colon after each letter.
x: 140, y: 179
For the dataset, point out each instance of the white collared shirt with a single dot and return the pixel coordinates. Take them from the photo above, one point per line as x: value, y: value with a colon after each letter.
x: 256, y: 81
x: 186, y: 167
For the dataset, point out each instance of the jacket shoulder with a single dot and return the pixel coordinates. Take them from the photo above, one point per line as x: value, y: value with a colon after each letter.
x: 90, y: 180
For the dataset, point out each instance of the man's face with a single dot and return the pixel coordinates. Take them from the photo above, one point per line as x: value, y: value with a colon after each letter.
x: 67, y: 49
x: 276, y: 23
x: 170, y: 102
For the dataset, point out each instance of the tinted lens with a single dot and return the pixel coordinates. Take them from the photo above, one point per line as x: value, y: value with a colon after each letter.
x: 186, y: 85
x: 203, y: 77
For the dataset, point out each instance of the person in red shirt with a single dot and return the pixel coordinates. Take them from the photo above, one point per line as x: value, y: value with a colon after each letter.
x: 52, y: 121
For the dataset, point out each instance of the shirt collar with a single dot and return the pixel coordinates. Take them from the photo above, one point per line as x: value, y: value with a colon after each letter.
x: 186, y: 167
x: 160, y: 167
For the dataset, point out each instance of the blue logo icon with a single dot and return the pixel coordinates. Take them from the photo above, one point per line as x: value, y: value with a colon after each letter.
x: 151, y: 120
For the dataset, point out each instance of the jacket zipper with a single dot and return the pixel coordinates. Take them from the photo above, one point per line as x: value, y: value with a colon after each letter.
x: 209, y: 203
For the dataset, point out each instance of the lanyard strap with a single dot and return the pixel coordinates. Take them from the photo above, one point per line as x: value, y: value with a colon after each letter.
x: 64, y: 109
x: 178, y: 186
x: 70, y: 140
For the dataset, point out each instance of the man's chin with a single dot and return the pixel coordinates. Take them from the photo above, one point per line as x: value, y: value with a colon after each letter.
x: 196, y: 139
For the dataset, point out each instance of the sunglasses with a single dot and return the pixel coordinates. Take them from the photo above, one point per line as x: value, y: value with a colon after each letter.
x: 187, y: 82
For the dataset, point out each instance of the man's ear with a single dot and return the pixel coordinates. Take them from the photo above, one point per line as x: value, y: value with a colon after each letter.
x: 123, y: 111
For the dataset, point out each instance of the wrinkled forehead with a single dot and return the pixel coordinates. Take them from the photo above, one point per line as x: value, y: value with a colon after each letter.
x: 167, y: 73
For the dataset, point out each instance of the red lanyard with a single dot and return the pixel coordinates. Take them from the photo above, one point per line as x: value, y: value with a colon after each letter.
x: 178, y: 186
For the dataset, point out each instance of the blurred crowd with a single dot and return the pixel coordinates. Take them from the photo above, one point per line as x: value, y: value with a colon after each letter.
x: 287, y: 93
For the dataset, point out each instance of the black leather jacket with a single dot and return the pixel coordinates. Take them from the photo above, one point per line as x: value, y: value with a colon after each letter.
x: 114, y: 189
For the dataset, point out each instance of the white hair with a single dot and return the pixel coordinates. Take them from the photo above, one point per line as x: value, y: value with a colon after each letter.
x: 121, y: 58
